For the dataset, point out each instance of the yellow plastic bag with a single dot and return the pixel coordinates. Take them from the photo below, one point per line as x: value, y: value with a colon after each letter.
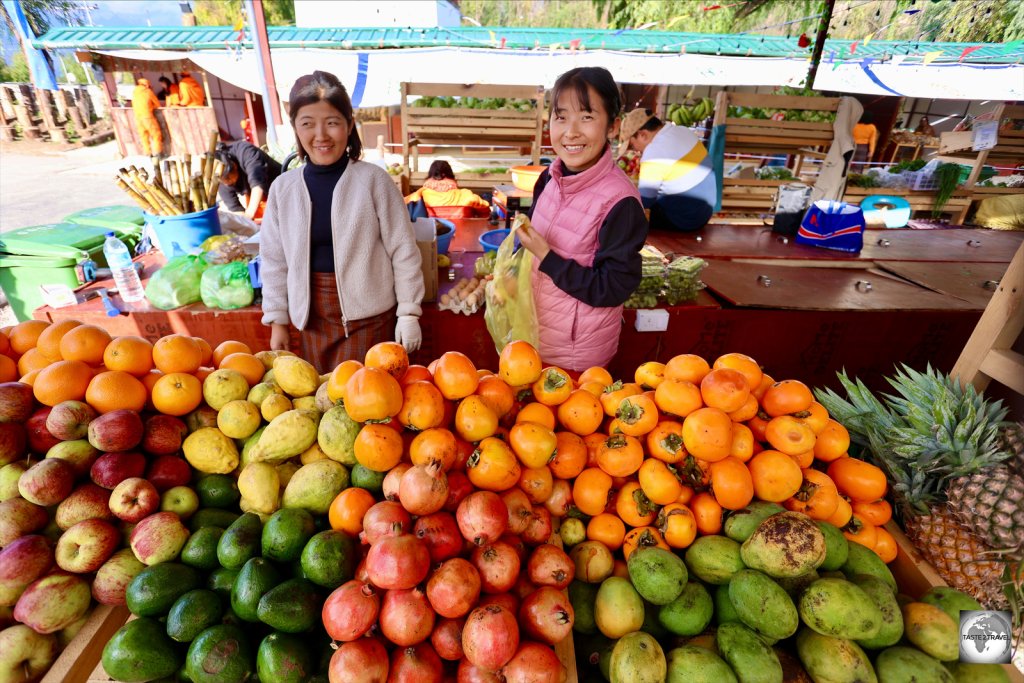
x: 510, y: 314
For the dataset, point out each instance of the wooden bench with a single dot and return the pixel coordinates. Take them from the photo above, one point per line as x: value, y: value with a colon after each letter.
x: 462, y: 126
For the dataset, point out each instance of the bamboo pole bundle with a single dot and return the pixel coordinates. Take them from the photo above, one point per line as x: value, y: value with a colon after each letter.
x: 135, y: 195
x: 218, y: 170
x: 177, y: 185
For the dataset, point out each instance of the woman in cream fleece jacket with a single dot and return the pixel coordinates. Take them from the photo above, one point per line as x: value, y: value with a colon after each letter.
x: 339, y: 259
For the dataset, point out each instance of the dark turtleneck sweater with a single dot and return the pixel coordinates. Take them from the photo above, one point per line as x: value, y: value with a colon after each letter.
x: 320, y: 182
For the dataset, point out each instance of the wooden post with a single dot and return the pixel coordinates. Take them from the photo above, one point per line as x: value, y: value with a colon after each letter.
x: 76, y: 114
x: 83, y: 104
x: 46, y: 109
x: 405, y: 127
x: 62, y: 106
x: 24, y: 115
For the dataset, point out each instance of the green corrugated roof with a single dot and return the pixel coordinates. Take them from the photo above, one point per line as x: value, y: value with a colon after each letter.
x: 214, y: 37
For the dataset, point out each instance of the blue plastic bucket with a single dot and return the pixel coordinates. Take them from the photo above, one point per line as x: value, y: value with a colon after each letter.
x: 188, y: 230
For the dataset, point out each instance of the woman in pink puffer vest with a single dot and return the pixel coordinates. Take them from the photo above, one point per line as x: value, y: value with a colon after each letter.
x: 588, y: 227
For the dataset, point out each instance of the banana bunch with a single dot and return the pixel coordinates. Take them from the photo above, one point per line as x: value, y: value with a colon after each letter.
x: 690, y: 114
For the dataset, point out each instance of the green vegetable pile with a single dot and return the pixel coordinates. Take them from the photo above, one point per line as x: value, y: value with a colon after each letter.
x: 774, y: 173
x: 862, y: 180
x: 907, y: 165
x: 670, y: 284
x: 683, y: 281
x: 948, y: 176
x: 448, y: 102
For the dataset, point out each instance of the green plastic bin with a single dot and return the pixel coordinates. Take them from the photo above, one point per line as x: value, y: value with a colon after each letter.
x: 54, y: 254
x: 121, y: 218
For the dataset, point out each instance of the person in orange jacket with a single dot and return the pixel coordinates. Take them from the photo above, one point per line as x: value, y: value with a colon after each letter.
x: 144, y: 103
x: 444, y: 198
x: 190, y: 93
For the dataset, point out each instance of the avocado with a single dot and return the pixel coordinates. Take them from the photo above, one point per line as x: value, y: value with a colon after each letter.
x: 292, y: 606
x: 220, y: 654
x: 153, y: 590
x: 240, y: 542
x: 140, y: 651
x: 329, y: 559
x: 212, y: 517
x: 200, y: 549
x: 193, y: 613
x: 254, y: 580
x: 284, y: 658
x: 218, y: 491
x: 286, y: 533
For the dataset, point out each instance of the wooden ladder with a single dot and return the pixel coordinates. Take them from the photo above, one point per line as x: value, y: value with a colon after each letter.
x: 988, y: 354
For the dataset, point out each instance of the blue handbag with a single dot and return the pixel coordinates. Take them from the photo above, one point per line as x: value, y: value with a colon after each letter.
x: 832, y: 225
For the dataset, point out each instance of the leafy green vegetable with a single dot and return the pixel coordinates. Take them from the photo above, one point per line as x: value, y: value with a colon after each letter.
x: 948, y: 176
x: 908, y: 165
x: 862, y: 180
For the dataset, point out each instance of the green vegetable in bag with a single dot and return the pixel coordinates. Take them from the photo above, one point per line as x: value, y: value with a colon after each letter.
x: 227, y: 286
x: 510, y: 314
x: 177, y: 283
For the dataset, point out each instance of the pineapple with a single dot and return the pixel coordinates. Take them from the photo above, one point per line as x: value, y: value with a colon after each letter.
x: 1012, y: 441
x: 938, y: 442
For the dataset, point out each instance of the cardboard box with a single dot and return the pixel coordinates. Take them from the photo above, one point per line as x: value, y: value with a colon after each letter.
x: 426, y: 239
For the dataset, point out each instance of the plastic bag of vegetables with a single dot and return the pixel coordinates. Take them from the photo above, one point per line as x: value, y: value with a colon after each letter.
x: 510, y: 314
x: 177, y: 283
x: 227, y: 286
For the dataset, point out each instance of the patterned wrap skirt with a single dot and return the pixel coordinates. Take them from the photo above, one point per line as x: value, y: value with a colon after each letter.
x: 323, y: 343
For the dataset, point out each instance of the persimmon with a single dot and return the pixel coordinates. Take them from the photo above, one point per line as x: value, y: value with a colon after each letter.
x: 789, y: 435
x: 581, y: 412
x: 592, y: 388
x: 758, y: 426
x: 493, y: 466
x: 776, y: 476
x: 817, y: 496
x: 593, y: 443
x: 435, y: 444
x: 844, y: 512
x: 519, y: 364
x: 707, y: 434
x: 687, y: 367
x: 570, y: 455
x: 532, y: 443
x: 707, y: 513
x: 816, y: 417
x: 742, y: 447
x: 677, y: 525
x: 665, y: 441
x: 650, y: 374
x: 85, y: 343
x: 455, y: 375
x: 686, y: 495
x: 537, y: 412
x: 348, y: 509
x: 339, y: 377
x: 660, y: 482
x: 372, y: 394
x: 389, y: 356
x: 620, y: 455
x: 759, y: 391
x: 787, y: 397
x: 591, y: 490
x: 876, y: 512
x: 832, y: 442
x: 130, y: 354
x: 422, y: 406
x: 859, y: 531
x: 743, y: 364
x: 637, y: 415
x: 885, y: 545
x: 608, y: 529
x: 859, y: 480
x: 416, y: 373
x: 731, y: 483
x: 178, y: 353
x: 746, y: 411
x: 803, y: 460
x: 498, y: 395
x: 552, y: 387
x: 595, y: 374
x: 114, y: 390
x: 678, y: 397
x: 633, y: 506
x: 642, y: 537
x: 474, y: 420
x: 725, y: 389
x: 537, y: 483
x: 614, y: 393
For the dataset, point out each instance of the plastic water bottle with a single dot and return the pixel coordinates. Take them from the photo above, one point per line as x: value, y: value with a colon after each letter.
x: 119, y: 259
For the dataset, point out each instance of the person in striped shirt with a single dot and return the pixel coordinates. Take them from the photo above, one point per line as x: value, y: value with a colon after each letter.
x: 677, y: 182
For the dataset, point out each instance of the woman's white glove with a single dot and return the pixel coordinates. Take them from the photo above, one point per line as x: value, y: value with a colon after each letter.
x: 408, y: 333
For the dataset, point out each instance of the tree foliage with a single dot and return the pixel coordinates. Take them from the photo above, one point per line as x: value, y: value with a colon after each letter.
x: 40, y: 15
x: 228, y: 12
x: 15, y: 71
x: 532, y: 13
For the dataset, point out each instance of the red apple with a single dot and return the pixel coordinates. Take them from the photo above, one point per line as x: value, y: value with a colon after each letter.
x: 18, y: 518
x: 48, y: 482
x: 13, y: 442
x: 21, y: 563
x: 163, y: 435
x: 113, y: 577
x: 88, y: 501
x: 133, y: 499
x: 9, y: 476
x: 158, y: 538
x: 112, y: 468
x: 53, y: 602
x: 168, y: 471
x: 69, y: 420
x: 40, y: 440
x: 24, y: 654
x: 16, y: 402
x: 84, y: 548
x: 118, y: 430
x: 80, y: 454
x: 181, y: 500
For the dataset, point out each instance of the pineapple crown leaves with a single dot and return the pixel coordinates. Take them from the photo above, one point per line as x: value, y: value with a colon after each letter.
x: 929, y: 432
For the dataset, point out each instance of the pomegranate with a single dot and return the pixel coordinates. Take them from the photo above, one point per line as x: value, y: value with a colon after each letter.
x: 360, y: 661
x: 550, y: 566
x: 560, y: 501
x: 470, y: 673
x: 393, y: 479
x: 454, y: 588
x: 350, y: 611
x: 540, y: 528
x: 405, y: 617
x: 418, y: 664
x: 490, y: 637
x: 441, y: 534
x: 519, y: 511
x: 459, y: 486
x: 396, y: 562
x: 524, y: 586
x: 482, y: 517
x: 498, y: 565
x: 447, y: 638
x: 423, y: 489
x: 546, y: 615
x: 360, y: 573
x: 534, y: 663
x: 507, y: 600
x: 517, y: 544
x: 385, y: 519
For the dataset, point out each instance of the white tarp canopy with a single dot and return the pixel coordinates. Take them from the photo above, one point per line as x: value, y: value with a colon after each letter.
x: 373, y: 76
